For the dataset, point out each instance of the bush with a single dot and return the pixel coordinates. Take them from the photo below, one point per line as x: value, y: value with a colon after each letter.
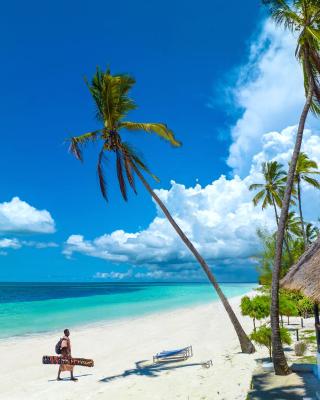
x: 305, y: 307
x: 256, y: 308
x: 287, y: 307
x: 300, y: 348
x: 262, y: 337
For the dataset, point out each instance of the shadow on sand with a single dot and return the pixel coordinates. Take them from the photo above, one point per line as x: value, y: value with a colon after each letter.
x: 152, y: 371
x: 68, y: 379
x: 296, y: 386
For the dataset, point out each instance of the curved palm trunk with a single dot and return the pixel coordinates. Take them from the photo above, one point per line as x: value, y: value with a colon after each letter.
x: 301, y: 216
x: 279, y: 361
x: 245, y: 343
x: 285, y: 239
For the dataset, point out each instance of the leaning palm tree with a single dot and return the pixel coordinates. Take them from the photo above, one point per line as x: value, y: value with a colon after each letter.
x: 305, y: 170
x: 110, y: 93
x: 302, y: 17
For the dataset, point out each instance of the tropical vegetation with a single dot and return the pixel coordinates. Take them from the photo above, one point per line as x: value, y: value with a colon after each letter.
x: 298, y: 234
x: 301, y: 17
x: 262, y: 336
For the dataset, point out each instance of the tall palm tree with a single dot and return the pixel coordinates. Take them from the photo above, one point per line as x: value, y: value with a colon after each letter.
x: 110, y: 93
x: 302, y: 17
x: 271, y: 191
x: 305, y: 170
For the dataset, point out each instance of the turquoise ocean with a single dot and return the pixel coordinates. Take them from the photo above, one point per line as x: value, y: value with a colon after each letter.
x: 29, y: 308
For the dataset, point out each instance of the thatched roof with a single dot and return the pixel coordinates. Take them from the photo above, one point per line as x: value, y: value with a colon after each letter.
x: 304, y: 276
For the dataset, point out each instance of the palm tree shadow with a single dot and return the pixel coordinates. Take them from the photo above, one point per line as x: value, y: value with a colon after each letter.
x: 151, y: 371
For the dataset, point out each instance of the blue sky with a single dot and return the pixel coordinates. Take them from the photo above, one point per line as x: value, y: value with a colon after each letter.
x: 184, y: 58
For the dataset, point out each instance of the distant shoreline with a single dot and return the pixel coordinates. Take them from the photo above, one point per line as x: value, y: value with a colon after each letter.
x: 34, y: 317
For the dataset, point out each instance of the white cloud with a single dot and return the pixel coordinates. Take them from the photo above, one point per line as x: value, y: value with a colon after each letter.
x: 15, y: 243
x: 219, y: 218
x: 269, y: 91
x: 114, y: 275
x: 39, y: 245
x: 18, y: 216
x: 10, y: 243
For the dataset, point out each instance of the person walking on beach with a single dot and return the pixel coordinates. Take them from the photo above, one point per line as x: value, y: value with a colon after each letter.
x: 65, y: 348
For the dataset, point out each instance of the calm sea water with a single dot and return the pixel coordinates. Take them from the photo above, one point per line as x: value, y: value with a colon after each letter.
x: 27, y: 308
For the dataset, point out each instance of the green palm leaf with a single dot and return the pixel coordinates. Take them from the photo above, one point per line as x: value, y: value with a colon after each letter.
x: 313, y: 182
x: 158, y: 128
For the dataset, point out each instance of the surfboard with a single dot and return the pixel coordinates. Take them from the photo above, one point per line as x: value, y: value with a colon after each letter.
x: 84, y: 362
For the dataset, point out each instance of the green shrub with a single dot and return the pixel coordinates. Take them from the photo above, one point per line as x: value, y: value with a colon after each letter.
x: 300, y: 348
x: 287, y: 307
x: 262, y: 337
x: 256, y: 308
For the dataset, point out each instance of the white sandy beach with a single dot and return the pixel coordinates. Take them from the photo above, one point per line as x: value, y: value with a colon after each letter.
x: 116, y: 348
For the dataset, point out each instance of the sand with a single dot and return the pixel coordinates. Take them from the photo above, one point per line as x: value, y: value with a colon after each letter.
x: 123, y: 350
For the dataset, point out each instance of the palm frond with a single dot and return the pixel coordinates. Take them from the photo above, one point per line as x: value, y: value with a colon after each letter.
x: 255, y: 186
x: 158, y: 128
x: 313, y: 182
x: 75, y: 149
x: 137, y: 159
x: 102, y: 182
x: 110, y: 93
x: 277, y: 198
x: 129, y: 173
x: 77, y: 142
x: 122, y: 183
x: 258, y: 197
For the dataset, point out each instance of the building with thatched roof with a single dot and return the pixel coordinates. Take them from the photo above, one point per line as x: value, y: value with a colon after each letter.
x: 304, y: 276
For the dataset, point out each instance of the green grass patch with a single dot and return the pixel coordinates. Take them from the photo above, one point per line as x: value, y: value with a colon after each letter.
x: 309, y: 339
x: 308, y: 360
x: 308, y: 331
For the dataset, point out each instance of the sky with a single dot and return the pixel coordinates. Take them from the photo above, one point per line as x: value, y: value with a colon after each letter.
x: 219, y: 74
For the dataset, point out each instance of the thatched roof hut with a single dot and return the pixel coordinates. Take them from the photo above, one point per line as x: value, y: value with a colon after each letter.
x: 304, y: 276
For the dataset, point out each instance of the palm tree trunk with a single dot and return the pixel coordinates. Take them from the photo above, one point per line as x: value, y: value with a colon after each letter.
x: 275, y: 211
x: 245, y: 343
x: 301, y: 216
x: 285, y: 239
x: 279, y: 361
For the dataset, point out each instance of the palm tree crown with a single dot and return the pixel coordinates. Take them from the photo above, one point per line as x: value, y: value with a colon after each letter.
x: 305, y: 169
x: 312, y: 232
x: 111, y: 96
x: 271, y: 190
x: 302, y: 17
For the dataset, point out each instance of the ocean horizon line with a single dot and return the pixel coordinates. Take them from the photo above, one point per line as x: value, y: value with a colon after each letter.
x: 130, y: 282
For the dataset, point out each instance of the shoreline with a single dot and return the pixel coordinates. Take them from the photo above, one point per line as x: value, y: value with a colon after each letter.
x: 118, y: 347
x: 108, y: 321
